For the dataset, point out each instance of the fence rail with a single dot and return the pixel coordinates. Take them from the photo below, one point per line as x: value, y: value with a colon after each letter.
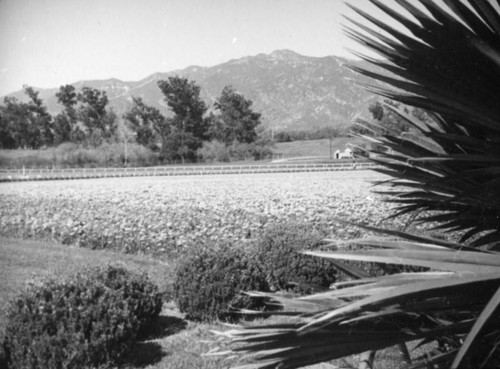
x: 78, y: 173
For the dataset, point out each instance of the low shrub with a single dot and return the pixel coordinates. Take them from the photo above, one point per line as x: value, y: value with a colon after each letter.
x: 89, y: 320
x: 277, y: 252
x: 43, y: 158
x: 214, y: 151
x: 105, y: 155
x: 209, y: 281
x: 72, y: 155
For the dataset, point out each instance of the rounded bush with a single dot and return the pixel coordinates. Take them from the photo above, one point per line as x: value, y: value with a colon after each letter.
x: 209, y: 281
x: 89, y: 320
x: 277, y: 252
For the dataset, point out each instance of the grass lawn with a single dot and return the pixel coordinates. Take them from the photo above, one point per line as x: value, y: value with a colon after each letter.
x: 22, y: 261
x: 171, y: 342
x: 314, y: 147
x: 44, y: 158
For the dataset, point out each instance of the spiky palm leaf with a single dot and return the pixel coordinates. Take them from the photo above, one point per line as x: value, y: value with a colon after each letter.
x: 448, y: 63
x: 375, y: 313
x: 451, y: 67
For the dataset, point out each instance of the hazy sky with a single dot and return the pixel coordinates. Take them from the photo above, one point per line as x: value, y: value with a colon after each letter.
x: 47, y: 43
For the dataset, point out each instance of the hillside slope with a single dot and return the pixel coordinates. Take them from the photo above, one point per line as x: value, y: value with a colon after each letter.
x: 292, y: 91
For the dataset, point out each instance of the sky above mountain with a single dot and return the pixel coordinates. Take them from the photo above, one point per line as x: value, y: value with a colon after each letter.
x: 46, y: 43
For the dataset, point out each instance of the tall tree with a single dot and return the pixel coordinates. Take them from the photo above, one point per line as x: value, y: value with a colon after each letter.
x: 147, y: 122
x: 62, y: 128
x: 235, y: 120
x: 99, y: 123
x: 16, y: 121
x: 65, y: 122
x: 7, y: 130
x: 67, y: 96
x: 39, y: 116
x: 183, y: 98
x: 29, y: 124
x: 178, y: 145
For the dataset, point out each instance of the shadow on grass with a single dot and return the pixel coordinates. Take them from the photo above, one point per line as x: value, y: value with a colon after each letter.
x: 162, y: 327
x: 147, y: 352
x: 3, y: 361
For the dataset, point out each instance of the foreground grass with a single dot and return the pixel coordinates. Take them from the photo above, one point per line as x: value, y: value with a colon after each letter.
x: 170, y: 343
x: 25, y: 261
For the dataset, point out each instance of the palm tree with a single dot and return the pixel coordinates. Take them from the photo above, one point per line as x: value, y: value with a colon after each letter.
x: 446, y: 173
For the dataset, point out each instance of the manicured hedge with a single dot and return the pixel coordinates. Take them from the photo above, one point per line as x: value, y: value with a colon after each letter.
x: 278, y: 253
x: 89, y: 320
x: 210, y: 279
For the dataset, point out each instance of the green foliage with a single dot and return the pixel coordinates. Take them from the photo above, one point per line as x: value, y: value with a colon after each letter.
x: 84, y: 118
x: 106, y: 155
x: 234, y: 131
x: 147, y: 122
x: 235, y: 121
x: 72, y: 155
x: 39, y: 118
x: 183, y: 98
x: 89, y: 320
x: 25, y: 125
x: 188, y: 128
x: 210, y: 278
x: 98, y: 124
x: 214, y: 152
x: 179, y: 145
x: 65, y: 122
x: 7, y: 133
x: 278, y: 253
x: 62, y: 129
x: 96, y: 102
x: 67, y: 97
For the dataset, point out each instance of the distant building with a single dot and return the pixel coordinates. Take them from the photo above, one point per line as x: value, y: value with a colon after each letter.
x: 346, y: 154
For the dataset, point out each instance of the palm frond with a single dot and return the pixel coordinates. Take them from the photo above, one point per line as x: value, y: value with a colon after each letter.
x: 439, y: 65
x: 443, y: 57
x: 373, y: 313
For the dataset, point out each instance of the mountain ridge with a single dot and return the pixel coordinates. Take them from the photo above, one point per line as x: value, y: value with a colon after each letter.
x: 290, y: 90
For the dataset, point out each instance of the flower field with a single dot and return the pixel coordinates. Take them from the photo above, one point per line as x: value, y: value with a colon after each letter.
x: 164, y: 215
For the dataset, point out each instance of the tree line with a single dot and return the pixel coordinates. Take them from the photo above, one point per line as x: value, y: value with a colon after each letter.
x: 229, y: 131
x: 86, y: 119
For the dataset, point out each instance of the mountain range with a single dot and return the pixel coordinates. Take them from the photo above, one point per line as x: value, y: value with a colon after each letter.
x: 291, y: 91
